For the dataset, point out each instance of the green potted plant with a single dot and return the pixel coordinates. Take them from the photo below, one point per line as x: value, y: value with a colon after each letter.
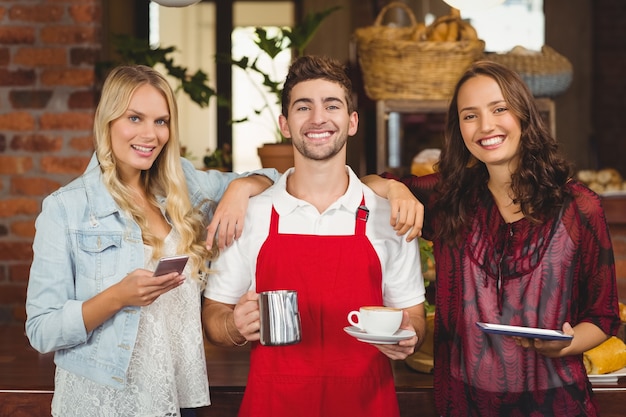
x: 132, y: 50
x: 295, y: 38
x: 220, y: 158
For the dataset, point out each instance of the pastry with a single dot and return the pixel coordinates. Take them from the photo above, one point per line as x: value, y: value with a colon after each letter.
x: 609, y: 356
x: 425, y: 161
x: 608, y: 176
x: 586, y: 175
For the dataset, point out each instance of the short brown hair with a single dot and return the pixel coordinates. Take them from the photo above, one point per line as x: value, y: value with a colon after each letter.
x: 310, y: 67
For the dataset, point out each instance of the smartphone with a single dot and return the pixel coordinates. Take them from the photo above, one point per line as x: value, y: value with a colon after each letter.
x: 171, y: 264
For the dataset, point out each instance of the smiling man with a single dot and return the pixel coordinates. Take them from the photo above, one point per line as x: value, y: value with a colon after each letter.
x: 323, y: 233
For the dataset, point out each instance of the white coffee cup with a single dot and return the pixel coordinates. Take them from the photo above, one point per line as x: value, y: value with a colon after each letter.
x: 379, y: 320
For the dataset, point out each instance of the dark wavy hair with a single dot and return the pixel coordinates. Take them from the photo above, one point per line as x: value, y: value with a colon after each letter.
x: 537, y: 185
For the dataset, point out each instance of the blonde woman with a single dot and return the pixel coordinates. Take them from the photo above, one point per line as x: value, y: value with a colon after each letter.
x: 126, y: 342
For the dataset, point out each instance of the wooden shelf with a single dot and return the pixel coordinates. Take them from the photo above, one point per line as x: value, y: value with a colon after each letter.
x: 388, y: 138
x: 27, y: 382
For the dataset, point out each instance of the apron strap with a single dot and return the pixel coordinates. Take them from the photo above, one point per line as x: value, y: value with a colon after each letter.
x: 274, y: 222
x: 362, y: 214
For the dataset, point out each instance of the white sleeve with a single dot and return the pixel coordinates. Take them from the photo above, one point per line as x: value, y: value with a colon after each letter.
x: 234, y: 271
x: 403, y: 283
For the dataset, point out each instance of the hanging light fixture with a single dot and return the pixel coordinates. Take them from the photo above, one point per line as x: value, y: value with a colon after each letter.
x: 176, y: 3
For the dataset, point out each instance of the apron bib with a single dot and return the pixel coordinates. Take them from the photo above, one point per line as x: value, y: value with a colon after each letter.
x: 328, y: 373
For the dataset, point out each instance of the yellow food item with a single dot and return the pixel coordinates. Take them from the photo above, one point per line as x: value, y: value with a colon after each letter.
x: 622, y: 312
x: 453, y: 31
x: 425, y: 161
x: 609, y: 356
x: 613, y: 187
x: 586, y: 175
x: 520, y: 50
x: 467, y: 32
x: 440, y: 32
x: 603, y: 180
x: 419, y: 33
x: 449, y: 28
x: 608, y: 176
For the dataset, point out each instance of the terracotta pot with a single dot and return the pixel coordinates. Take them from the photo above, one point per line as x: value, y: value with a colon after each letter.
x: 276, y: 155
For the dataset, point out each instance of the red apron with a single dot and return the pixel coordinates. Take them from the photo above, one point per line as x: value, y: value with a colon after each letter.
x: 328, y: 373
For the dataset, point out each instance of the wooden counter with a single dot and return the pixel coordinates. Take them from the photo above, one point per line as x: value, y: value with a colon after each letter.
x: 27, y: 382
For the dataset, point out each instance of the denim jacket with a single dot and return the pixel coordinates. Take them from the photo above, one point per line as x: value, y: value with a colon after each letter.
x: 83, y: 245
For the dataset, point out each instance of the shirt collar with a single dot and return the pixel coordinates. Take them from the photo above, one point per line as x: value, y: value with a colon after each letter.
x: 285, y: 203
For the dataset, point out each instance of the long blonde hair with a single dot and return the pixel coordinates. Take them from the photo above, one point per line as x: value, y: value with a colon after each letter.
x: 165, y: 177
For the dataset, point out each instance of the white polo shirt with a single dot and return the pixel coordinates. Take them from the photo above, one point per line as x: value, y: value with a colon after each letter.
x: 235, y: 268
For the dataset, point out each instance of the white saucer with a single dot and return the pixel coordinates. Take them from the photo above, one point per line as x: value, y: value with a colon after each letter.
x: 379, y: 339
x: 610, y: 378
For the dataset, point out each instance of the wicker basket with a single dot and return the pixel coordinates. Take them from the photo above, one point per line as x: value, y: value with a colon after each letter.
x: 397, y: 66
x: 547, y: 73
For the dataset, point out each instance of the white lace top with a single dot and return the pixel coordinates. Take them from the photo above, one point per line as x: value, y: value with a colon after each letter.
x: 167, y: 369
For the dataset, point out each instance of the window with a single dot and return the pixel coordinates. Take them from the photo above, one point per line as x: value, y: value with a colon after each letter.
x: 192, y: 31
x: 247, y: 97
x: 515, y: 22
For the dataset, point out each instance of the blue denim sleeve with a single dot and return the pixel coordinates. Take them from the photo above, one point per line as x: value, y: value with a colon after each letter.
x: 212, y: 184
x: 54, y: 316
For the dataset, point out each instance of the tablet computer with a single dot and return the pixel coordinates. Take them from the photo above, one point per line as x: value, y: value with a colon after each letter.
x: 521, y: 331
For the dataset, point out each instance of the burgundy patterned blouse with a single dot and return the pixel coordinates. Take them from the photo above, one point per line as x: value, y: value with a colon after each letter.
x: 524, y: 274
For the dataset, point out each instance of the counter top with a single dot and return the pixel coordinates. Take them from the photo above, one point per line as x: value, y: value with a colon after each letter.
x: 27, y: 382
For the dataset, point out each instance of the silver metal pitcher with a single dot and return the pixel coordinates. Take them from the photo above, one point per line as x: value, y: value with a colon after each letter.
x: 280, y: 318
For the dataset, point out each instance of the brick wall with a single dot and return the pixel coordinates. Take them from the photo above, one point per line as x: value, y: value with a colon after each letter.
x: 47, y: 53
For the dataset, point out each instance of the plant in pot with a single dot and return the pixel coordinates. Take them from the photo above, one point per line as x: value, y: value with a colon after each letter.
x: 132, y: 50
x: 279, y: 154
x: 220, y: 159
